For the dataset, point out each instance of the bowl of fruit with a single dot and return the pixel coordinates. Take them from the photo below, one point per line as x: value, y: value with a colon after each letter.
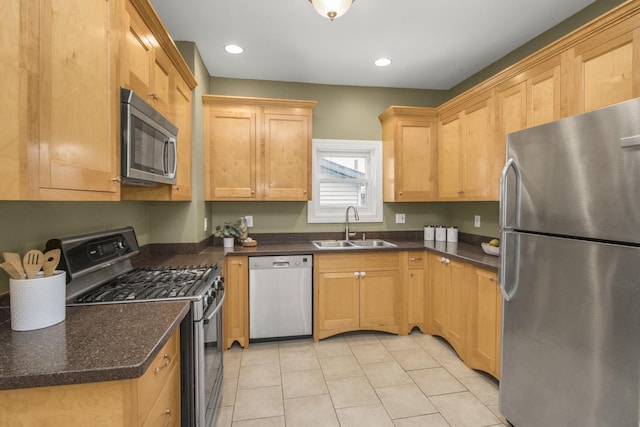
x: 491, y: 248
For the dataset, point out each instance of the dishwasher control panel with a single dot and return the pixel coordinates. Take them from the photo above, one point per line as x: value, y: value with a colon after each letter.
x: 288, y: 261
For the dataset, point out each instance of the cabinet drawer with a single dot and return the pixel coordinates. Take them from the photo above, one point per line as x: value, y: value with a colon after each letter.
x: 417, y: 259
x: 166, y: 410
x: 364, y: 261
x: 153, y: 381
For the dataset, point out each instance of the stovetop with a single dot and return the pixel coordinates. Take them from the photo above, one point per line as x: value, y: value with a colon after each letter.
x: 154, y: 284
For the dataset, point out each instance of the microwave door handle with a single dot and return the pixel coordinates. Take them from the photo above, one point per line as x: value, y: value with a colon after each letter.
x: 165, y: 157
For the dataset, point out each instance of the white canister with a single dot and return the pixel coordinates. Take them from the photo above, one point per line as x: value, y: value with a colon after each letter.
x: 441, y: 233
x: 452, y: 234
x: 37, y: 303
x: 429, y: 232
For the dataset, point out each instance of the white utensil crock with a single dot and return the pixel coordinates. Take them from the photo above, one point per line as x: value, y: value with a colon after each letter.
x: 37, y: 303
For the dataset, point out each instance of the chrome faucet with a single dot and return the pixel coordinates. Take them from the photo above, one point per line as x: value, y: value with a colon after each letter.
x: 346, y: 222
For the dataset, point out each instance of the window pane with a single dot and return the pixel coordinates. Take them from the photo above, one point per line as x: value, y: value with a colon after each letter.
x: 335, y: 194
x: 354, y: 167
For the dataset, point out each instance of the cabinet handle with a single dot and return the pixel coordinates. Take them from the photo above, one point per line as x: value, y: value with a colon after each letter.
x: 304, y: 192
x: 363, y: 273
x: 410, y: 274
x: 168, y: 416
x: 400, y: 193
x: 491, y: 279
x: 356, y: 274
x: 415, y: 259
x: 167, y: 361
x: 153, y: 96
x: 253, y: 191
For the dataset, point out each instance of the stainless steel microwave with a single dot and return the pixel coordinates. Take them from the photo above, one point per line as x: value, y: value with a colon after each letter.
x: 148, y: 148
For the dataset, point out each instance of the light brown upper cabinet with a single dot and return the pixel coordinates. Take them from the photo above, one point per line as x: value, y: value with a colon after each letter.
x: 60, y: 101
x: 151, y: 66
x: 466, y: 146
x: 530, y: 99
x: 409, y: 154
x: 257, y: 148
x: 603, y: 69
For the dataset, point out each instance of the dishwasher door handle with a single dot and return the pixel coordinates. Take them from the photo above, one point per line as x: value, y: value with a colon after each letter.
x: 280, y: 264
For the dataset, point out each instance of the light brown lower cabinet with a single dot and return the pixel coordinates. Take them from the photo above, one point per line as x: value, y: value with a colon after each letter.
x: 415, y: 268
x: 356, y: 292
x: 151, y: 400
x: 235, y: 310
x: 485, y: 321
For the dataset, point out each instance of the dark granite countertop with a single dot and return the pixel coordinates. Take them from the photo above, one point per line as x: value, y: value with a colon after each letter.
x: 95, y: 343
x: 467, y: 252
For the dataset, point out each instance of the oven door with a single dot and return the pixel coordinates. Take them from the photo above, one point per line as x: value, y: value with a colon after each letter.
x: 212, y: 361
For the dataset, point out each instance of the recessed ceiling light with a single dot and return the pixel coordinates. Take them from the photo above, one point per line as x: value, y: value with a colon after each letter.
x: 382, y: 62
x: 234, y: 49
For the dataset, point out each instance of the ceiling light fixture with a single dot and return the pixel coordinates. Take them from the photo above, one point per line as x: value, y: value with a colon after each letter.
x: 331, y: 9
x: 234, y: 49
x: 382, y: 62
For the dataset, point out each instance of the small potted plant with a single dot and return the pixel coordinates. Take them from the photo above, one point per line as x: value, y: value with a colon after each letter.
x: 228, y: 231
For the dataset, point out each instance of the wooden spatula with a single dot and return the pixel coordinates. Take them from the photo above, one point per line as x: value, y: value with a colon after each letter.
x: 51, y: 260
x: 11, y: 270
x: 14, y: 258
x: 32, y: 263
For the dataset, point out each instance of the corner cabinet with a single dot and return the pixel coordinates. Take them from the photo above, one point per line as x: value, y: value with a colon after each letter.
x: 356, y: 292
x: 257, y: 148
x: 449, y: 293
x: 466, y: 150
x: 409, y: 154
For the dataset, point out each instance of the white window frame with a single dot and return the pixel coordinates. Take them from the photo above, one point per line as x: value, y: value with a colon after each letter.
x: 373, y: 212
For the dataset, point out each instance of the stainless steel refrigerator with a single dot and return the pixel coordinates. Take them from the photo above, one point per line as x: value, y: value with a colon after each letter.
x: 570, y: 271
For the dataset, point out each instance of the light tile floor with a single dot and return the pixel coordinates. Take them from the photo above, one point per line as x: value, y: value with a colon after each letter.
x: 358, y: 379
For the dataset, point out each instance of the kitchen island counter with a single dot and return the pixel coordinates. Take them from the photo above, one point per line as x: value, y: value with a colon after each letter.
x: 103, y: 342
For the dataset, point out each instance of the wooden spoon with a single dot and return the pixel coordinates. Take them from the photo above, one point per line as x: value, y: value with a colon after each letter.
x: 14, y: 258
x: 32, y: 263
x: 51, y: 260
x: 11, y: 270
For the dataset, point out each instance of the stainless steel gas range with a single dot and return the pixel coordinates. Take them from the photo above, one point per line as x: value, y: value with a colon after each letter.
x: 99, y: 271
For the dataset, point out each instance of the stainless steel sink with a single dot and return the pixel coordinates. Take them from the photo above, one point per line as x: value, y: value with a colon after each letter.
x: 374, y: 243
x: 332, y: 244
x: 351, y: 244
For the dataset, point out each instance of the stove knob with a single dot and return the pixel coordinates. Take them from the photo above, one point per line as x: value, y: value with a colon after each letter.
x: 208, y: 300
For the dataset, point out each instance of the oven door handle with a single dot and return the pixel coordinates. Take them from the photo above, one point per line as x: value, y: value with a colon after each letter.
x: 214, y: 310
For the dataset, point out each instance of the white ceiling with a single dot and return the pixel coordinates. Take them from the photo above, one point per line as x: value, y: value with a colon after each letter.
x: 434, y: 44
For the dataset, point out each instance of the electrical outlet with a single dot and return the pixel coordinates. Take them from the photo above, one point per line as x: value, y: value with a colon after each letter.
x: 476, y: 221
x: 249, y: 220
x: 206, y: 224
x: 400, y: 218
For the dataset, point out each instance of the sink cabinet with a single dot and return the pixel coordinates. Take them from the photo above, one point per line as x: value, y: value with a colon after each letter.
x: 151, y: 400
x: 356, y: 292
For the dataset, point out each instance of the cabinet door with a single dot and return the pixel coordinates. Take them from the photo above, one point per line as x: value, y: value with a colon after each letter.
x: 477, y: 151
x: 456, y: 306
x: 162, y: 74
x: 182, y: 116
x: 379, y: 296
x: 439, y: 281
x: 236, y: 302
x: 138, y: 54
x: 484, y: 295
x: 78, y: 101
x: 449, y: 166
x: 415, y: 160
x: 230, y: 150
x: 416, y: 300
x: 543, y: 93
x: 603, y: 70
x: 338, y: 302
x: 17, y: 69
x: 287, y: 142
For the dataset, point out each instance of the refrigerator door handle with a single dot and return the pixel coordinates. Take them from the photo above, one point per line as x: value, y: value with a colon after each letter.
x: 505, y: 228
x: 503, y: 274
x: 511, y: 164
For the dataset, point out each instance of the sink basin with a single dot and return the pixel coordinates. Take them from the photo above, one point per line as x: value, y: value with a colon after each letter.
x: 351, y: 244
x: 332, y: 244
x: 374, y: 243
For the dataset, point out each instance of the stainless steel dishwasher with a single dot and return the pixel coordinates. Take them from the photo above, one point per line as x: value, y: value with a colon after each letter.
x: 280, y: 297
